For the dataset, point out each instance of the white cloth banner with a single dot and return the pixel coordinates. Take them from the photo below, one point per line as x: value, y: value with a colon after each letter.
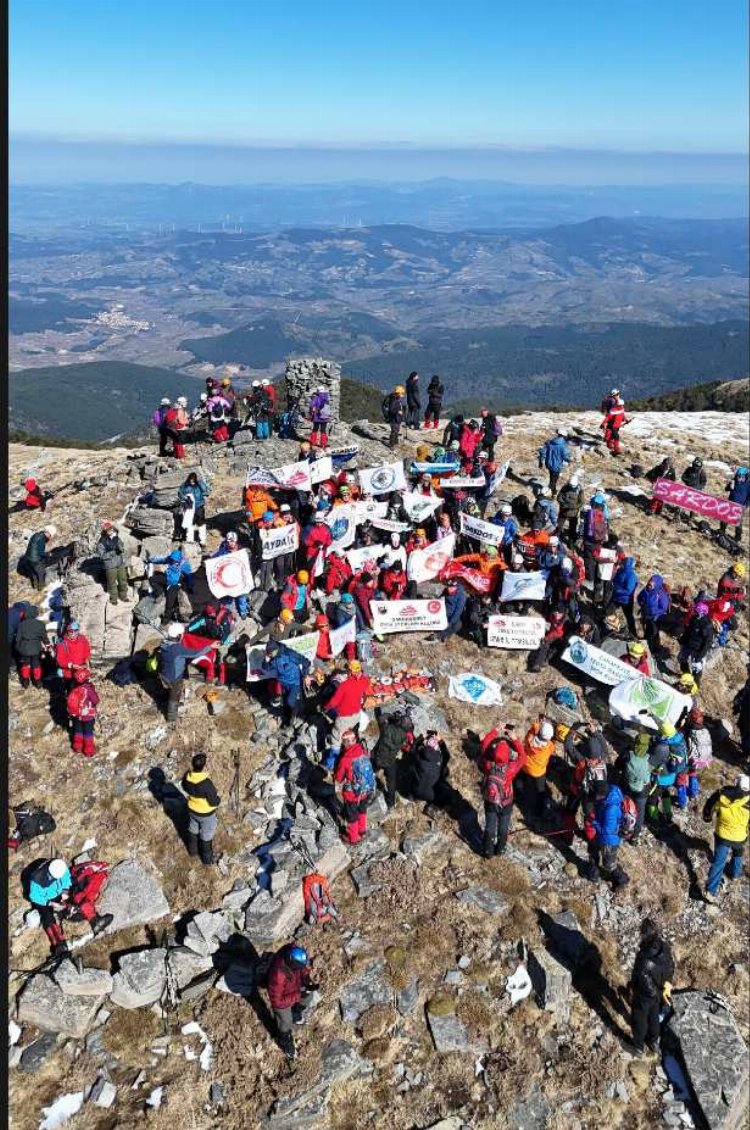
x: 425, y: 564
x: 321, y: 469
x: 523, y: 586
x: 367, y: 510
x: 598, y: 664
x: 647, y: 701
x: 475, y: 688
x: 306, y: 645
x: 481, y: 530
x: 463, y: 482
x: 342, y: 522
x: 515, y: 631
x: 408, y: 616
x: 358, y: 558
x: 605, y: 563
x: 389, y: 526
x: 292, y: 476
x: 420, y: 506
x: 229, y: 575
x: 383, y: 479
x: 497, y: 476
x: 279, y: 540
x: 340, y: 637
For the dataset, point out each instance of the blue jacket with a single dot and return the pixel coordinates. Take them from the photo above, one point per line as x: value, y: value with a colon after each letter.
x: 198, y: 491
x: 550, y: 508
x: 338, y: 616
x: 175, y: 658
x: 739, y: 491
x: 286, y: 668
x: 654, y: 603
x: 624, y: 581
x: 511, y: 527
x: 44, y: 895
x: 554, y: 454
x: 175, y: 571
x: 36, y: 549
x: 608, y: 817
x: 455, y: 604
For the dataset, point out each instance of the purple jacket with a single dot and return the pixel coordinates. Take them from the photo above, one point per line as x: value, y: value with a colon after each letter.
x: 320, y: 407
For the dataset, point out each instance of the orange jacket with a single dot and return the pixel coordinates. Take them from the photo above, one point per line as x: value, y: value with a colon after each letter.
x: 537, y: 755
x: 257, y: 501
x: 483, y: 564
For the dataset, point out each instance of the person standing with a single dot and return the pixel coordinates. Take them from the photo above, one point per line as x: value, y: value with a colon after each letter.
x: 203, y: 801
x: 602, y: 830
x: 394, y: 412
x: 355, y: 774
x: 539, y: 746
x: 502, y: 757
x: 345, y: 707
x: 554, y: 454
x: 638, y: 780
x: 289, y: 981
x: 112, y: 552
x: 320, y: 416
x: 731, y: 807
x: 738, y: 490
x: 395, y: 728
x: 73, y: 652
x: 30, y: 644
x: 413, y: 401
x: 435, y: 393
x: 33, y: 563
x: 650, y: 984
x: 192, y: 495
x: 653, y: 601
x: 82, y: 702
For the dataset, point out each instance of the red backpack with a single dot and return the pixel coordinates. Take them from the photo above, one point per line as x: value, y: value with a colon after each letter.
x: 629, y: 818
x: 319, y: 904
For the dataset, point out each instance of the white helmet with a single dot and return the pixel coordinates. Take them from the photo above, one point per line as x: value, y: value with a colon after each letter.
x: 50, y: 531
x: 174, y: 631
x: 614, y: 392
x: 204, y: 397
x: 165, y: 401
x: 506, y: 508
x: 265, y: 382
x: 547, y: 731
x: 321, y: 388
x: 554, y: 540
x: 57, y: 868
x: 546, y: 492
x: 256, y: 384
x: 182, y: 401
x: 517, y: 559
x: 575, y: 480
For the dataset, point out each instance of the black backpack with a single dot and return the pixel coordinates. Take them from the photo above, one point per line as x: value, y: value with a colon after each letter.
x: 385, y: 408
x: 33, y: 821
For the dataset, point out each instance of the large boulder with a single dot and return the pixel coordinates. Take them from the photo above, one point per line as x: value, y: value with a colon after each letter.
x: 86, y: 983
x: 133, y: 896
x: 146, y: 521
x: 44, y: 1004
x: 271, y: 920
x: 552, y: 983
x: 141, y: 979
x: 118, y: 630
x: 339, y: 1062
x: 715, y: 1056
x: 207, y: 932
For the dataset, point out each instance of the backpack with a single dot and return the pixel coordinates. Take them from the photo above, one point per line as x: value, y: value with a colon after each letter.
x: 171, y: 417
x: 324, y: 412
x: 564, y: 696
x: 157, y: 417
x: 122, y: 674
x: 629, y: 818
x: 318, y: 900
x: 596, y: 526
x: 594, y: 770
x: 385, y: 408
x: 32, y: 821
x: 495, y: 784
x: 217, y: 410
x: 363, y: 777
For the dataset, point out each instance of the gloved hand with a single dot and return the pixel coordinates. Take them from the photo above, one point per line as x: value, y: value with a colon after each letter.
x: 667, y: 992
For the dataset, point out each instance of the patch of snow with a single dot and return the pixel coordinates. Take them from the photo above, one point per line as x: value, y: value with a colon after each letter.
x: 154, y: 1099
x: 14, y: 1033
x: 192, y: 1028
x: 61, y: 1111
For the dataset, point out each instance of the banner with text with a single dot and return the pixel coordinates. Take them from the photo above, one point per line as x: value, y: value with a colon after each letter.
x: 698, y: 502
x: 463, y: 482
x: 487, y: 532
x: 598, y: 664
x: 525, y: 632
x: 408, y: 616
x: 497, y: 476
x: 292, y: 476
x: 342, y: 522
x: 420, y: 506
x: 278, y: 541
x: 321, y: 469
x: 340, y: 637
x: 305, y: 645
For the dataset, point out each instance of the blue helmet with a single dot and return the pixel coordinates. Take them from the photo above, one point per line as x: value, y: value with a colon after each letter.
x: 347, y: 598
x: 175, y: 555
x: 743, y: 472
x: 268, y: 515
x: 297, y: 955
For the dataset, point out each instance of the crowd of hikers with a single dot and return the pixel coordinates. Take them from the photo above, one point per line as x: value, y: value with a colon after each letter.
x: 611, y: 781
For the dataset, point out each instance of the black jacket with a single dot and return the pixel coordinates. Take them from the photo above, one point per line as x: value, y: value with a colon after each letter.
x: 429, y: 766
x: 698, y: 637
x: 30, y: 637
x: 579, y: 747
x: 393, y: 734
x: 435, y: 393
x: 412, y: 393
x: 654, y: 965
x: 694, y: 477
x: 661, y: 471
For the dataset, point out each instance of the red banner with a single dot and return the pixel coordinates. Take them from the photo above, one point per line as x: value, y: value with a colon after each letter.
x: 707, y: 505
x: 478, y: 581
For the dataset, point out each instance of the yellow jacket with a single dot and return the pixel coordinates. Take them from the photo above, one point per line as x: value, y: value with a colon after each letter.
x: 201, y: 793
x: 732, y: 818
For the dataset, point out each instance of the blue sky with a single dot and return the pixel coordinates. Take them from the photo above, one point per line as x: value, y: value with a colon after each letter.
x: 635, y: 75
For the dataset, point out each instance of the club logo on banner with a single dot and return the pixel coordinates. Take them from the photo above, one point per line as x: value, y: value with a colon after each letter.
x: 229, y: 575
x: 420, y: 506
x: 648, y: 701
x: 525, y: 632
x: 292, y: 476
x: 278, y: 541
x: 384, y: 479
x: 367, y: 510
x: 475, y: 688
x: 481, y: 530
x: 426, y: 564
x: 340, y: 637
x: 598, y: 664
x: 698, y: 502
x: 408, y: 616
x: 342, y: 522
x: 306, y: 645
x: 464, y: 482
x: 321, y: 469
x: 481, y: 582
x: 523, y: 586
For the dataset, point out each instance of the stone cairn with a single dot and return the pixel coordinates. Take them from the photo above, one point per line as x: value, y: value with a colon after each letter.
x: 305, y: 374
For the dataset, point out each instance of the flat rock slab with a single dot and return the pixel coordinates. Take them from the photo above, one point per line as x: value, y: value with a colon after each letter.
x: 47, y: 1007
x: 34, y: 1054
x: 141, y: 979
x: 339, y: 1062
x: 363, y: 883
x: 715, y: 1057
x: 552, y: 981
x: 489, y: 901
x: 532, y: 1113
x: 186, y: 965
x: 87, y: 983
x: 449, y: 1034
x: 417, y: 847
x: 207, y: 931
x: 133, y: 896
x: 371, y: 987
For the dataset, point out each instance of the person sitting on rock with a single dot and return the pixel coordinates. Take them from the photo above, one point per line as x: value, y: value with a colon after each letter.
x: 203, y: 801
x: 112, y: 552
x: 53, y: 893
x: 179, y: 572
x: 82, y: 702
x: 289, y: 982
x: 35, y: 498
x: 33, y: 562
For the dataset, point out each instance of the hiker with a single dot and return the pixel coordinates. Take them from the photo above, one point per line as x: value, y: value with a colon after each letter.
x: 637, y: 657
x: 539, y: 746
x: 653, y: 601
x: 81, y: 703
x: 554, y: 454
x: 738, y: 490
x: 602, y: 830
x: 344, y: 707
x: 501, y: 759
x: 395, y: 730
x: 202, y: 802
x: 192, y: 496
x: 172, y: 662
x: 33, y: 562
x: 355, y: 774
x: 624, y: 583
x: 664, y: 470
x: 468, y: 442
x: 492, y: 430
x: 545, y: 513
x: 219, y: 411
x: 455, y: 603
x: 231, y: 544
x: 570, y: 502
x: 315, y: 541
x: 612, y: 422
x: 73, y: 652
x: 29, y: 645
x: 651, y: 986
x: 731, y: 807
x: 256, y: 502
x: 35, y: 498
x: 595, y: 532
x: 178, y: 573
x: 696, y: 641
x: 609, y: 400
x: 694, y: 475
x: 413, y: 401
x: 262, y: 413
x: 159, y: 420
x: 435, y: 393
x: 295, y: 595
x: 428, y: 765
x: 638, y: 781
x: 320, y: 416
x: 731, y: 585
x: 289, y: 981
x: 176, y: 421
x: 53, y: 893
x: 668, y: 758
x: 112, y: 552
x: 288, y: 669
x: 394, y: 412
x: 699, y: 751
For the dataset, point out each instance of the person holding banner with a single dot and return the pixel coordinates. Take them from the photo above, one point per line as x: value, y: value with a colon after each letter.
x: 653, y: 602
x: 337, y: 572
x: 738, y: 490
x: 344, y: 708
x: 296, y: 595
x: 289, y: 670
x: 256, y: 501
x: 315, y: 540
x: 455, y: 603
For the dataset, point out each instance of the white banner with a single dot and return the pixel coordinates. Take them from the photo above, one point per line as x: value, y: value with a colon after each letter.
x: 431, y: 468
x: 340, y: 637
x: 463, y: 482
x: 389, y: 526
x: 321, y: 469
x: 306, y: 645
x: 497, y: 476
x: 420, y: 506
x: 358, y: 558
x: 229, y: 575
x: 605, y: 563
x: 383, y: 479
x: 279, y: 540
x: 292, y: 476
x: 475, y: 688
x: 367, y: 510
x: 408, y: 616
x: 342, y: 522
x: 525, y: 632
x: 647, y: 701
x: 481, y: 530
x: 523, y: 586
x: 597, y: 663
x: 425, y: 564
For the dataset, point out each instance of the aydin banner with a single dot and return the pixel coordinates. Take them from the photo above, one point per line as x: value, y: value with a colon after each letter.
x: 426, y: 564
x: 598, y: 664
x: 229, y: 575
x: 383, y: 479
x: 482, y: 531
x: 278, y: 541
x: 408, y: 616
x: 523, y: 586
x: 525, y: 632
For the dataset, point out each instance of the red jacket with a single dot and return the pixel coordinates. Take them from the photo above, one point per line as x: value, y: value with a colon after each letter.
x: 363, y: 594
x: 641, y: 664
x: 82, y: 701
x: 315, y: 540
x: 730, y: 588
x: 285, y: 984
x: 721, y: 609
x: 501, y: 755
x: 614, y: 419
x: 349, y: 695
x: 469, y: 441
x: 338, y: 572
x: 393, y: 583
x: 344, y: 775
x: 73, y: 653
x: 33, y: 499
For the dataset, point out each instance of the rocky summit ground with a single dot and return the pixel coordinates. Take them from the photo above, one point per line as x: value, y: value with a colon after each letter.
x: 418, y: 965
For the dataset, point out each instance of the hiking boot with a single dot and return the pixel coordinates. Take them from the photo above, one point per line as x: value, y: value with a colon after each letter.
x: 709, y: 898
x: 192, y: 844
x: 101, y: 922
x: 60, y: 949
x: 206, y: 849
x: 286, y: 1043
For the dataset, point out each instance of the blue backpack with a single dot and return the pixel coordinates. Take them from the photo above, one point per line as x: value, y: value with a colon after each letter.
x: 363, y: 778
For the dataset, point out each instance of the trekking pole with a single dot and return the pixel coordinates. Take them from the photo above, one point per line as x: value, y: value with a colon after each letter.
x: 234, y: 789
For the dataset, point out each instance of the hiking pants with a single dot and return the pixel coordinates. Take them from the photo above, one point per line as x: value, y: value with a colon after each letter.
x: 737, y: 530
x: 203, y: 825
x: 537, y: 789
x: 174, y: 696
x: 413, y: 413
x: 640, y: 804
x: 163, y: 440
x: 395, y: 429
x: 496, y: 826
x: 722, y: 851
x: 117, y: 583
x: 432, y: 415
x: 645, y: 1020
x: 651, y: 633
x: 83, y: 735
x: 554, y: 478
x: 355, y: 815
x: 390, y: 773
x: 30, y: 667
